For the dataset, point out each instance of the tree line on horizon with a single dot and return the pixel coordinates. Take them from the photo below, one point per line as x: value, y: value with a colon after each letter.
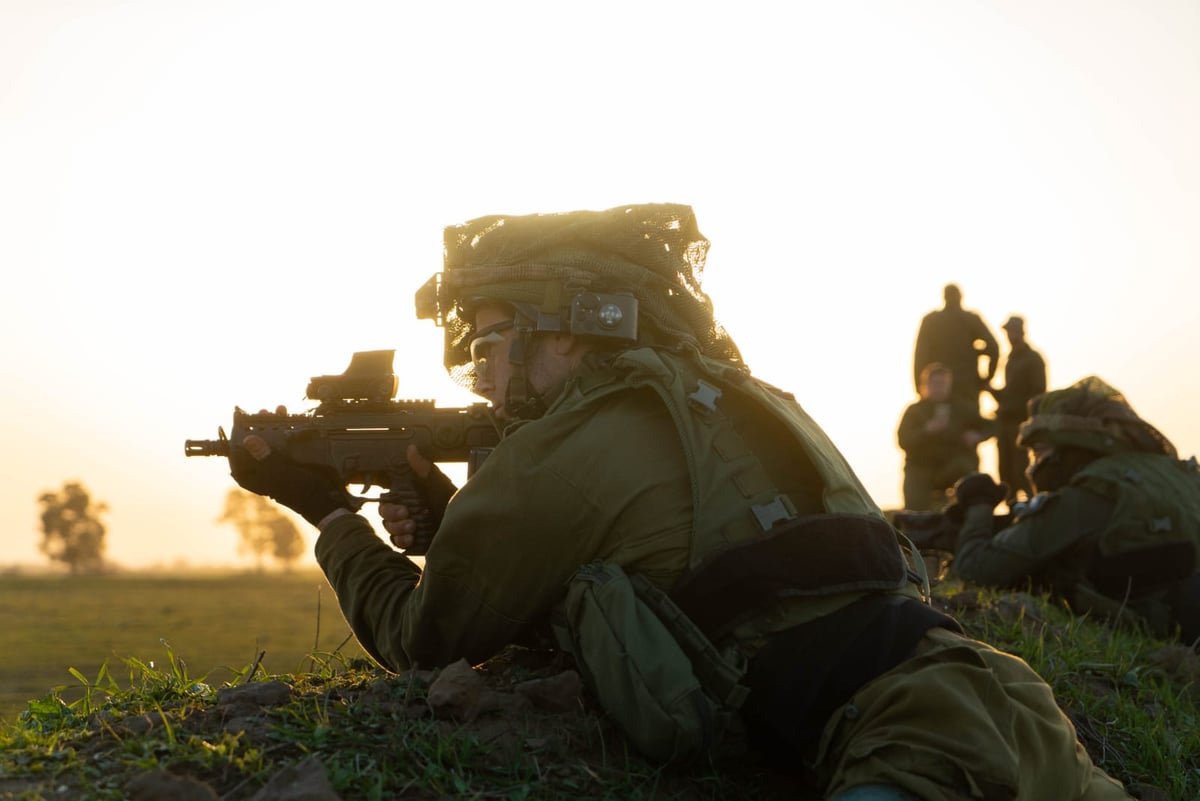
x: 74, y: 534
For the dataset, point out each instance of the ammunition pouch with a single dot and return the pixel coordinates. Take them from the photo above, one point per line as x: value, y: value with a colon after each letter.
x: 672, y: 693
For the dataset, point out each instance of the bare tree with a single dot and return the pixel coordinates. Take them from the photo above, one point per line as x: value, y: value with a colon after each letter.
x: 262, y: 528
x: 72, y: 532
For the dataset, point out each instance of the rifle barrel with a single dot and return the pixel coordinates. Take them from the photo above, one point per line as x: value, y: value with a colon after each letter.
x: 206, y: 447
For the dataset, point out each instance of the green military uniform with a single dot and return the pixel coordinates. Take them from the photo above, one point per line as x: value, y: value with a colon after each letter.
x: 555, y: 487
x: 934, y: 461
x: 1081, y: 540
x: 661, y: 459
x: 558, y: 487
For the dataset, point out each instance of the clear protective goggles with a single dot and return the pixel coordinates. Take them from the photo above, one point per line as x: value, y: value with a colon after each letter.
x: 482, y: 345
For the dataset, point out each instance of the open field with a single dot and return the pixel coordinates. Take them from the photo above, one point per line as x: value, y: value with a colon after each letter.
x: 215, y: 624
x: 371, y: 735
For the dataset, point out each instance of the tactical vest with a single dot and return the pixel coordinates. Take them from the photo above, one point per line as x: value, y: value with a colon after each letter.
x: 1152, y: 538
x: 1157, y: 500
x: 749, y: 541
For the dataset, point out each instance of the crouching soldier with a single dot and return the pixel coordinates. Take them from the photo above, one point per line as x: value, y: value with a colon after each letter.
x: 1115, y: 526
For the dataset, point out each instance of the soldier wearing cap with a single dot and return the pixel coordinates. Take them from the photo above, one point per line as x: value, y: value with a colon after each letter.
x: 1115, y: 526
x: 1024, y: 378
x: 635, y: 437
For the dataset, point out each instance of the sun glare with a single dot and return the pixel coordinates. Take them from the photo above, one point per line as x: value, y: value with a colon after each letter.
x: 207, y: 206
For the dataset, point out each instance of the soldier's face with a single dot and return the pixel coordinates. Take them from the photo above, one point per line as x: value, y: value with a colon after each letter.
x: 937, y: 388
x: 549, y: 357
x: 489, y: 351
x: 1040, y: 455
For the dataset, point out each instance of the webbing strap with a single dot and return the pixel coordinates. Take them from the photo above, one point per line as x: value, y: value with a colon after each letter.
x: 754, y: 480
x: 717, y: 675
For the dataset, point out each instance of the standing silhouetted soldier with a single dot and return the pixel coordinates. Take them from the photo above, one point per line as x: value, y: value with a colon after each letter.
x: 956, y: 338
x: 1024, y: 378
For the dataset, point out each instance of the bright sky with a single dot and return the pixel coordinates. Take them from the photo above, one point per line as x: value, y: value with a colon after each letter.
x: 204, y: 204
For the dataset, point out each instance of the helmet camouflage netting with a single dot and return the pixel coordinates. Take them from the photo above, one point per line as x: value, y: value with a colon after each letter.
x: 654, y: 251
x: 1090, y: 414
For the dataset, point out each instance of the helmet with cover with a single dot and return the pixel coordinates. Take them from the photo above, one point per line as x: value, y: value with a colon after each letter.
x: 1092, y: 416
x: 626, y: 276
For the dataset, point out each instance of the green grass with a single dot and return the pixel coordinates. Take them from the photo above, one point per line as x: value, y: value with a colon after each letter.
x: 212, y: 623
x: 372, y: 733
x: 374, y: 736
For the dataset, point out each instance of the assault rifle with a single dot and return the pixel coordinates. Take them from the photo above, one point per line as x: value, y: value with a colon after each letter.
x: 362, y: 433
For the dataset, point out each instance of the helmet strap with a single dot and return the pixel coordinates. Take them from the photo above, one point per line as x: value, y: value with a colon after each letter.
x: 520, y: 399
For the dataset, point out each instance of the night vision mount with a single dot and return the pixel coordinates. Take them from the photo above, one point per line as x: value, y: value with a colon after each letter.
x: 611, y: 315
x: 607, y: 315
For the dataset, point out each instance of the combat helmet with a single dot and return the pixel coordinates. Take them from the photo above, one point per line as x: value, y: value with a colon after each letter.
x: 1092, y: 416
x: 628, y: 276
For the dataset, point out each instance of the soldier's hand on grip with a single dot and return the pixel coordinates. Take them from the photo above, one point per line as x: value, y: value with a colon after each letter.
x: 433, y: 491
x: 310, y: 491
x: 435, y: 486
